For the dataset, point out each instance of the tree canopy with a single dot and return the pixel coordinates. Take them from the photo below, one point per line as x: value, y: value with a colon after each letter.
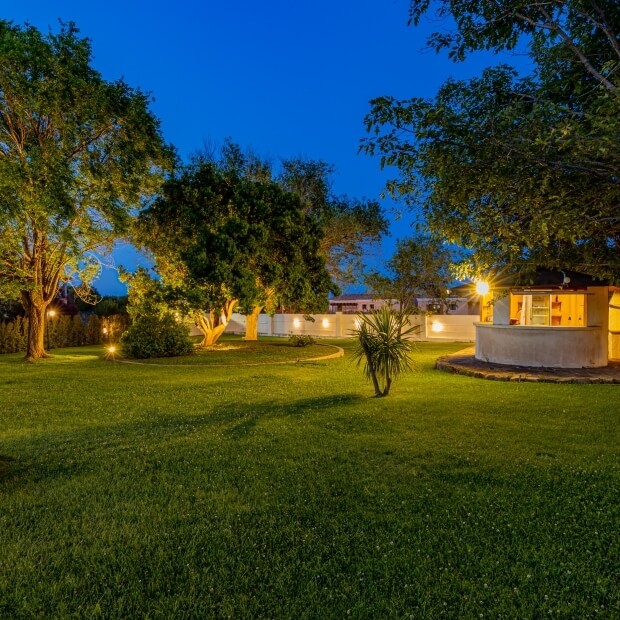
x: 77, y: 155
x: 222, y: 239
x: 350, y: 225
x: 420, y: 266
x: 523, y: 170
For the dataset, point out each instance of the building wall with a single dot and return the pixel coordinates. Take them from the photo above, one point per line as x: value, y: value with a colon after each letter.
x: 614, y: 326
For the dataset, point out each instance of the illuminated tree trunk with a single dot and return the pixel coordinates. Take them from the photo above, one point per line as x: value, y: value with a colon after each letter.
x: 35, y: 309
x: 213, y: 323
x: 251, y: 324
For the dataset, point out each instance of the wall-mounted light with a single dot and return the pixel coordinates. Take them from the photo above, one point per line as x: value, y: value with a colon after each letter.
x: 482, y: 287
x: 325, y: 322
x: 436, y: 326
x: 296, y: 323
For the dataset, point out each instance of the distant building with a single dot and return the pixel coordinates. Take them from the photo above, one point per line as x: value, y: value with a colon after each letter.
x: 359, y: 303
x: 363, y: 303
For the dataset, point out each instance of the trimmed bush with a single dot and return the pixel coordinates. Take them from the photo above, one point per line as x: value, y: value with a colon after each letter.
x: 156, y: 336
x: 300, y: 340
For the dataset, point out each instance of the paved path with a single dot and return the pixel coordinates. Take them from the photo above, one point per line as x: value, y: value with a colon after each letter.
x: 463, y: 362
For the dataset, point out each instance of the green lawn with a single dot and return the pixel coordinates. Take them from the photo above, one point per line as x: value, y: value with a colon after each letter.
x: 285, y: 491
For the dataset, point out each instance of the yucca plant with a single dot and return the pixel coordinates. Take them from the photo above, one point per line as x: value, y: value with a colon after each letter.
x: 383, y: 346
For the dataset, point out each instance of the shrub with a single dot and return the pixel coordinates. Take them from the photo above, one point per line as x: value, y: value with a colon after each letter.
x: 383, y: 347
x: 300, y: 340
x: 156, y: 336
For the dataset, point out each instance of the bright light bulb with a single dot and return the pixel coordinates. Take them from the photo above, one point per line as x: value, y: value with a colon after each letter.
x: 482, y: 288
x: 436, y: 326
x: 325, y: 322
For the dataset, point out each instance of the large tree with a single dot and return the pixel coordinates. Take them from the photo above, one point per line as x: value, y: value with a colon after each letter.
x: 77, y: 154
x: 351, y: 225
x: 523, y: 170
x: 223, y: 240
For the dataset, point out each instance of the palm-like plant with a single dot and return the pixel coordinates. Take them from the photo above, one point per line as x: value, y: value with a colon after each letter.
x: 383, y: 346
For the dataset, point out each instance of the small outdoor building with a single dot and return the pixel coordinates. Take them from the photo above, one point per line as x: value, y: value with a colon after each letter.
x: 562, y: 320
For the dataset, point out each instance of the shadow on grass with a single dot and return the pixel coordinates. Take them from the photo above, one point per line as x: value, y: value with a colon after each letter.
x: 241, y: 424
x: 79, y: 451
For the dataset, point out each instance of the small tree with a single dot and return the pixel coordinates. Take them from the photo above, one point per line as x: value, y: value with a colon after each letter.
x: 383, y: 347
x: 420, y: 265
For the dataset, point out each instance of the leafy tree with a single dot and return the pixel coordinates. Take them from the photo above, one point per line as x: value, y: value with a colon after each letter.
x: 77, y: 154
x: 420, y: 266
x: 221, y: 240
x: 524, y: 170
x: 350, y: 225
x: 383, y: 347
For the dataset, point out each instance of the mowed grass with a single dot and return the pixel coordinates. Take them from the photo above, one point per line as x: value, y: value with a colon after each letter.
x: 286, y: 491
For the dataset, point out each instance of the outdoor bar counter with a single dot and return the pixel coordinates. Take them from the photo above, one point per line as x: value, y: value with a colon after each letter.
x: 544, y: 346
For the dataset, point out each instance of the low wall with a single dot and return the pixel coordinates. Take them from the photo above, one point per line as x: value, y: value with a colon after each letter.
x: 447, y: 328
x: 551, y: 347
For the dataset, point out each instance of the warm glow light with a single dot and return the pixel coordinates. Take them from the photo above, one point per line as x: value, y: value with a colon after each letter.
x: 436, y: 326
x: 105, y: 330
x: 296, y: 322
x: 111, y: 349
x: 51, y: 313
x: 325, y: 322
x: 482, y: 288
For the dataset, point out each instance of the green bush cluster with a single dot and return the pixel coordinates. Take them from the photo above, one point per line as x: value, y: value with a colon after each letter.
x: 62, y: 331
x: 300, y: 340
x: 156, y: 336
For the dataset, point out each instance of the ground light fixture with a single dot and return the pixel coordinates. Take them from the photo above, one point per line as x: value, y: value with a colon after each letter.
x: 50, y: 314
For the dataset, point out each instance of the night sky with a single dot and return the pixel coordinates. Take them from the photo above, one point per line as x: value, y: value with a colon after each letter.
x: 285, y: 78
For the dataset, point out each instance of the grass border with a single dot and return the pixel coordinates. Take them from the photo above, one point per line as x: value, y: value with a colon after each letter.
x: 339, y: 353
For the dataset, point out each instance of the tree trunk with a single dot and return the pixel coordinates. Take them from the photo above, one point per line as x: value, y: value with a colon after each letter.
x: 375, y: 381
x: 213, y: 323
x: 251, y: 324
x: 388, y: 384
x: 35, y: 348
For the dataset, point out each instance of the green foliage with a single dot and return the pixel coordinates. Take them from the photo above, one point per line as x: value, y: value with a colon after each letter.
x: 383, y: 346
x: 62, y: 331
x: 79, y: 154
x: 420, y: 266
x: 524, y: 171
x: 156, y: 336
x: 350, y: 226
x: 111, y: 305
x: 301, y: 340
x: 221, y: 239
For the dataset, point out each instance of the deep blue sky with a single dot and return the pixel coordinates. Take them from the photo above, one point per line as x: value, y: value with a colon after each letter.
x: 284, y: 77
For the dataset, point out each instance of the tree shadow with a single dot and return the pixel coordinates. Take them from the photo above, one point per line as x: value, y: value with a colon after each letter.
x: 233, y: 422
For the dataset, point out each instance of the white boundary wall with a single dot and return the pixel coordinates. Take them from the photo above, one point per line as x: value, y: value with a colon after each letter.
x: 446, y: 328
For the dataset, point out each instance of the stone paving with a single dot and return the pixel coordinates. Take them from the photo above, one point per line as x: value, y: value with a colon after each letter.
x: 463, y: 362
